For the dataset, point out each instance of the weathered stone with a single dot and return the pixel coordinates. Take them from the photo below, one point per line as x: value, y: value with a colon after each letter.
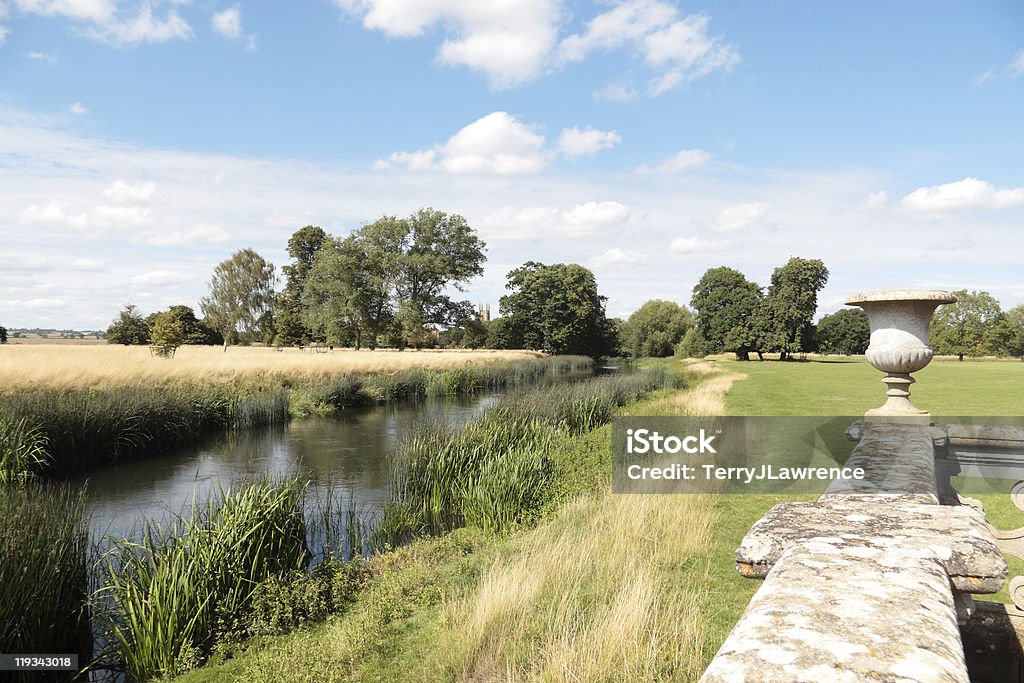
x: 882, y: 613
x: 897, y: 459
x: 846, y: 529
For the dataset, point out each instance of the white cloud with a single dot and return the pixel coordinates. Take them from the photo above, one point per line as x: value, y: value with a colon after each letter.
x: 42, y: 57
x: 123, y: 193
x: 508, y: 40
x: 678, y: 50
x: 575, y: 143
x: 740, y: 217
x: 876, y: 200
x: 160, y: 277
x: 99, y: 11
x: 582, y: 220
x: 87, y: 264
x: 689, y: 245
x: 53, y: 214
x: 617, y: 257
x: 3, y: 34
x: 497, y: 143
x: 983, y: 78
x: 615, y: 92
x: 228, y: 23
x: 78, y: 109
x: 34, y: 304
x: 683, y: 160
x: 1017, y: 65
x: 200, y: 233
x: 120, y: 216
x: 962, y: 195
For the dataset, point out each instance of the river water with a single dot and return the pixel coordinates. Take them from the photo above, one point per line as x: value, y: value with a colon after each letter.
x: 345, y: 455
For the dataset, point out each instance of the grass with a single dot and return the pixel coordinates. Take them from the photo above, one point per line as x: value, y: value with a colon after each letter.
x: 76, y: 366
x: 43, y: 541
x: 85, y: 427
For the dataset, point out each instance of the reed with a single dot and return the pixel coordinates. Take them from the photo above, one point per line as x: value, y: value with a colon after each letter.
x: 43, y: 581
x: 493, y: 473
x: 22, y: 451
x: 169, y: 596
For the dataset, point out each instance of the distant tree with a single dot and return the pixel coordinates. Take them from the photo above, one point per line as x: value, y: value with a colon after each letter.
x: 1012, y: 332
x: 129, y: 327
x: 726, y: 307
x: 501, y: 335
x: 3, y: 334
x: 289, y: 320
x: 692, y: 345
x: 167, y: 330
x: 970, y: 327
x: 655, y: 329
x: 787, y: 319
x: 241, y: 296
x: 846, y: 331
x: 557, y: 308
x: 193, y: 330
x: 471, y: 334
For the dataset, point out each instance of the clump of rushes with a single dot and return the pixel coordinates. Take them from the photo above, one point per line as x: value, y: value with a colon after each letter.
x: 43, y: 581
x: 22, y: 451
x: 492, y: 474
x: 166, y: 599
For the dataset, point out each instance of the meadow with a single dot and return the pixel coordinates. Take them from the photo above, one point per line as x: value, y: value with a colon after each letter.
x: 61, y: 365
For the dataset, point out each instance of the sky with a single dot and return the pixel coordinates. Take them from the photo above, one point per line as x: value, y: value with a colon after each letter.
x: 144, y: 141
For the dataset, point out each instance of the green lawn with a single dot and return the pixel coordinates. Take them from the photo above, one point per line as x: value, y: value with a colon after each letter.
x: 849, y: 386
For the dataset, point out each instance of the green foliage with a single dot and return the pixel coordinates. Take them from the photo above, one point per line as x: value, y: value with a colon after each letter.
x: 1011, y: 333
x: 43, y: 543
x: 970, y: 327
x: 22, y: 451
x: 180, y: 322
x: 289, y: 320
x: 495, y: 472
x: 241, y: 296
x: 3, y: 334
x: 692, y: 345
x: 726, y: 306
x: 128, y: 328
x: 166, y: 599
x: 285, y: 602
x: 786, y: 318
x: 846, y: 331
x: 166, y: 331
x: 556, y: 308
x: 654, y: 329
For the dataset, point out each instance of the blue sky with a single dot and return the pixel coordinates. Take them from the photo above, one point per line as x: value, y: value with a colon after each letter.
x: 143, y: 142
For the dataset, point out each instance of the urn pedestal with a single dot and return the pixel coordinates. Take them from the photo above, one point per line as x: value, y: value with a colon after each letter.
x: 899, y: 320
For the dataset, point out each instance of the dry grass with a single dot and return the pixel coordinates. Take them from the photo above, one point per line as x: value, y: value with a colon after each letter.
x: 69, y: 365
x: 590, y: 596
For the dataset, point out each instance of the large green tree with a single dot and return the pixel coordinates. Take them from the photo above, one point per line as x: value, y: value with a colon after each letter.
x: 128, y: 328
x: 557, y: 308
x: 193, y: 330
x: 846, y: 331
x: 787, y: 318
x: 289, y: 320
x: 726, y: 306
x: 655, y: 329
x: 1012, y: 333
x: 241, y: 297
x: 970, y: 327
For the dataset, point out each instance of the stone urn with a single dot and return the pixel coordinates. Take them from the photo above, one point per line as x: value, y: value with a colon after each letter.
x: 899, y: 320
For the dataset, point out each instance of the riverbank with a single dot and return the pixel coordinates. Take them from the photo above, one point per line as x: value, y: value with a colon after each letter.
x: 591, y: 587
x: 81, y: 426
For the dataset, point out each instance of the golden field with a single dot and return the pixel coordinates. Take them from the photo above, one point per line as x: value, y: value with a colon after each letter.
x: 82, y: 365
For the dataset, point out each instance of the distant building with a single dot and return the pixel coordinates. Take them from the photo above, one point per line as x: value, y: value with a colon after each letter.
x: 483, y: 313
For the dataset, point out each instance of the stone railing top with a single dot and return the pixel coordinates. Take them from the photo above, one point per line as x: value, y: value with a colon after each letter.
x: 845, y: 530
x: 937, y: 295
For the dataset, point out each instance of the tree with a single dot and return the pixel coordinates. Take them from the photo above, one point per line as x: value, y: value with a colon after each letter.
x: 241, y: 296
x: 1012, y: 332
x: 726, y: 306
x: 787, y: 318
x: 193, y: 330
x: 289, y: 320
x: 128, y: 328
x: 441, y: 251
x: 556, y: 308
x: 969, y: 327
x: 167, y: 331
x: 3, y: 334
x: 692, y: 345
x: 846, y: 331
x: 655, y: 329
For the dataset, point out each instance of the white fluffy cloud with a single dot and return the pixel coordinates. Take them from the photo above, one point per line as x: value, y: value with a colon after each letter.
x: 228, y: 23
x: 53, y: 214
x: 962, y: 195
x: 497, y: 143
x: 528, y: 222
x: 617, y: 257
x: 200, y: 233
x: 118, y: 24
x: 740, y: 217
x: 78, y: 109
x: 876, y: 200
x: 683, y: 160
x: 574, y: 143
x: 508, y: 40
x: 689, y: 244
x: 676, y: 49
x: 160, y: 277
x: 121, y: 192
